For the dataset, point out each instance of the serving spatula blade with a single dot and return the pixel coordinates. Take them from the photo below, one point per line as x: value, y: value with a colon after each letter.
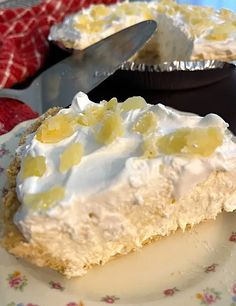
x: 83, y: 70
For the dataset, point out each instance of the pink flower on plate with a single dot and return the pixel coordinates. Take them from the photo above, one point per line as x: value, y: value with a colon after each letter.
x: 208, y: 296
x: 110, y: 299
x: 234, y: 289
x: 3, y: 150
x: 17, y: 281
x: 56, y: 285
x: 75, y: 304
x: 211, y: 268
x: 233, y: 237
x: 170, y: 291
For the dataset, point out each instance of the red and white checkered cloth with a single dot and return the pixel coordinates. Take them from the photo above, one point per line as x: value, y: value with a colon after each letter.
x: 24, y: 49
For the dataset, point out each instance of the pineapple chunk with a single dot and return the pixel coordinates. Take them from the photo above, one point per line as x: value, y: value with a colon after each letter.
x: 97, y: 25
x: 161, y: 8
x: 111, y: 104
x: 55, y: 129
x: 71, y: 156
x: 85, y: 24
x: 146, y: 124
x: 221, y: 31
x: 33, y: 166
x: 84, y: 19
x: 99, y: 11
x: 126, y: 9
x: 147, y: 13
x: 111, y: 128
x: 82, y: 23
x: 150, y: 148
x: 92, y: 115
x: 82, y: 27
x: 133, y: 103
x: 46, y: 199
x: 195, y: 141
x: 227, y: 14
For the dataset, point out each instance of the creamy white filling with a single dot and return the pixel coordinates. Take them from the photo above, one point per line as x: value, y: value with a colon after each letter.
x: 211, y: 49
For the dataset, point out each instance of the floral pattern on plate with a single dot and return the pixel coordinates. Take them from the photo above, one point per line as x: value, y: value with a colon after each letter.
x: 110, y: 299
x: 208, y: 296
x: 17, y: 280
x: 170, y: 291
x: 211, y: 268
x: 232, y: 237
x: 56, y: 285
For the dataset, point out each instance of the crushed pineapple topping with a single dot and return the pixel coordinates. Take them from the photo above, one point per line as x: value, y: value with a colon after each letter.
x: 198, y: 18
x: 92, y: 115
x: 71, y: 156
x: 149, y: 147
x: 146, y: 124
x: 200, y: 141
x: 112, y: 127
x: 112, y: 104
x: 33, y: 166
x: 56, y: 128
x: 222, y: 31
x: 46, y: 199
x: 68, y: 148
x: 133, y: 103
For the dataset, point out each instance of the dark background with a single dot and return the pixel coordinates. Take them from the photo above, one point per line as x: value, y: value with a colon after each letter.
x: 217, y: 97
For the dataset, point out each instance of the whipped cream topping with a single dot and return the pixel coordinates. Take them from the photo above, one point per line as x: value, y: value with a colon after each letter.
x: 196, y: 22
x: 104, y: 168
x: 105, y: 21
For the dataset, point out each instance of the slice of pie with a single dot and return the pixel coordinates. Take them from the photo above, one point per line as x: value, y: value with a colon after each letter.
x: 96, y: 181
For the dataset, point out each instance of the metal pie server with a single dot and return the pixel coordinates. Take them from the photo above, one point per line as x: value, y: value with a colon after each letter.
x: 83, y: 70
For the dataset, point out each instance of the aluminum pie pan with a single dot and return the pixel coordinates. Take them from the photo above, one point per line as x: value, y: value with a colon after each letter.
x: 176, y: 75
x: 177, y: 66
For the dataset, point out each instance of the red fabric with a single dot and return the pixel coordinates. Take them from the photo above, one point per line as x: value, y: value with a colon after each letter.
x: 24, y: 48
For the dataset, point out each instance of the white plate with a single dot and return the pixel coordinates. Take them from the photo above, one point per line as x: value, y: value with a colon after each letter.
x: 197, y: 267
